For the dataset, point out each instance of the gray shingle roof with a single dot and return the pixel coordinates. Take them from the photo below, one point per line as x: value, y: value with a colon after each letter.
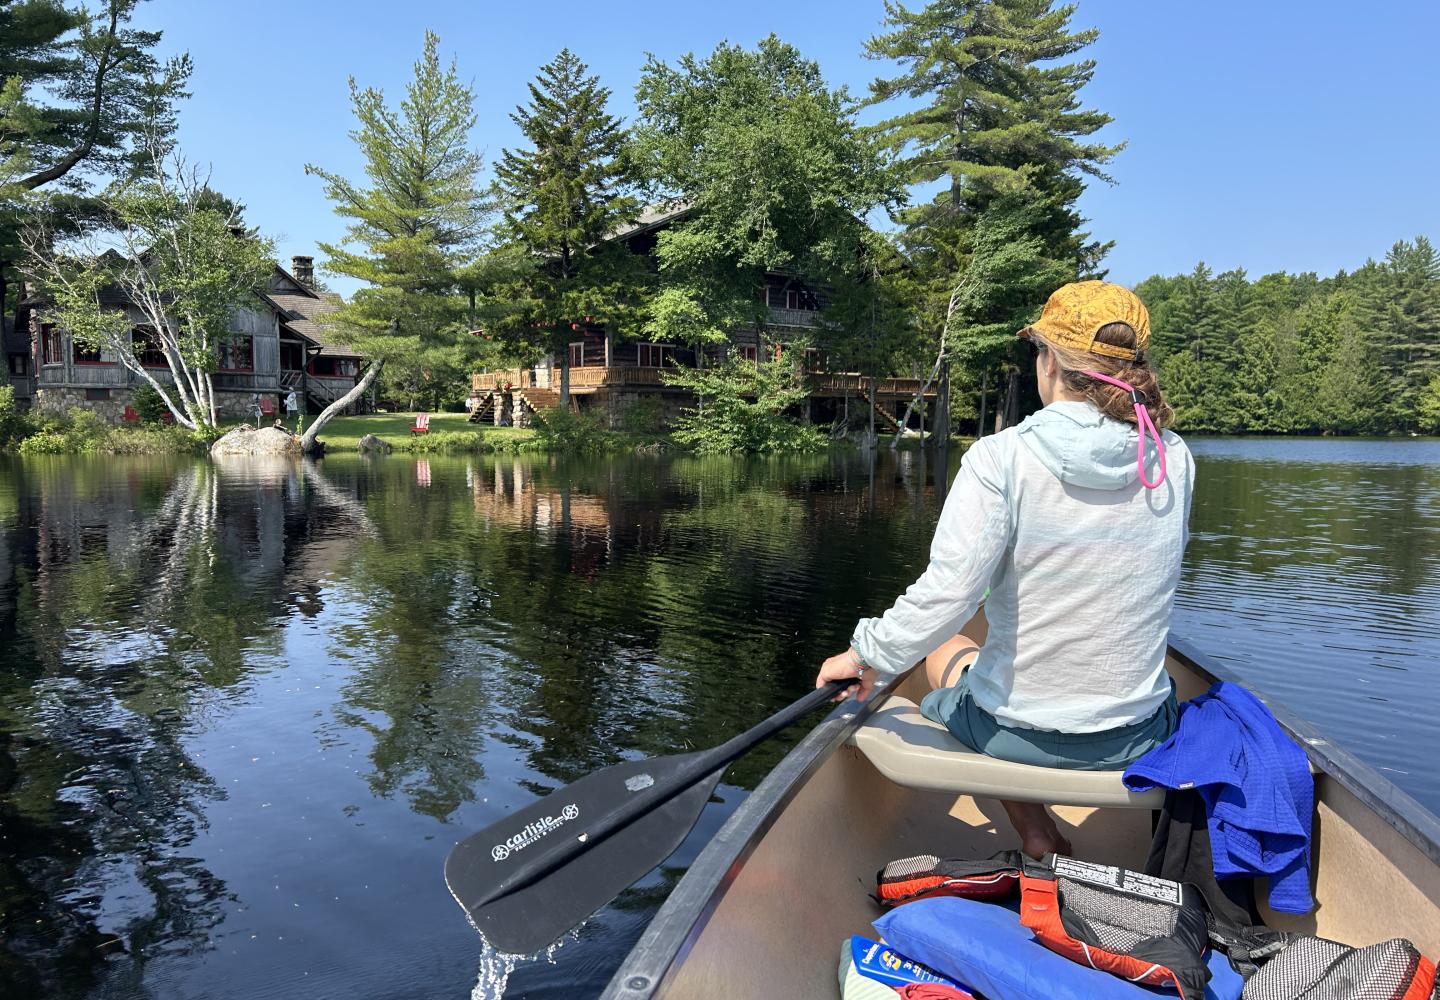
x: 301, y: 313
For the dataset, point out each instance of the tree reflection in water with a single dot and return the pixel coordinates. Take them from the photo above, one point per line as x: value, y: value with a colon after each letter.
x: 132, y: 602
x: 455, y: 641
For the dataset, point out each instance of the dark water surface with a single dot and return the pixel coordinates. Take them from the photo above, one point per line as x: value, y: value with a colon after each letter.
x: 246, y: 710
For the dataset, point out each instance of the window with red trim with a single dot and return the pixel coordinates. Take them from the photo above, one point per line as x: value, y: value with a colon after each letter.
x: 335, y: 367
x: 50, y: 345
x: 237, y: 354
x: 749, y: 352
x: 651, y: 355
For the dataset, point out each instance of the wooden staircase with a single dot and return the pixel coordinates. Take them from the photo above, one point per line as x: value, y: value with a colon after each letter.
x: 882, y: 418
x: 484, y: 413
x: 539, y: 399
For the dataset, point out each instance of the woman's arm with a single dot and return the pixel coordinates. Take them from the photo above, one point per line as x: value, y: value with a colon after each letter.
x: 970, y: 540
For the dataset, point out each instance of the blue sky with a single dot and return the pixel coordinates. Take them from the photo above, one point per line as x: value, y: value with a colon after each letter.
x: 1281, y: 135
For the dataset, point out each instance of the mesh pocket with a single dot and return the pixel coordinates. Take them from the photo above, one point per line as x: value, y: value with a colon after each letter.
x: 927, y: 875
x: 1120, y: 921
x: 1316, y: 969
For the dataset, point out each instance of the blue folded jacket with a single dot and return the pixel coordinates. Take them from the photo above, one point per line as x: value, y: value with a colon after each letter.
x: 1255, y: 782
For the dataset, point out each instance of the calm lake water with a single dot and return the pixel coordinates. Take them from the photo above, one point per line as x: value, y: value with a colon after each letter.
x: 245, y: 711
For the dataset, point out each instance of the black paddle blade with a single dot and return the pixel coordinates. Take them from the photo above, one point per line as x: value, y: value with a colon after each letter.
x: 526, y: 920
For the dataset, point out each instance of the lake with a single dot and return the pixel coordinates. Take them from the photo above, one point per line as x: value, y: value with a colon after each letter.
x: 245, y: 710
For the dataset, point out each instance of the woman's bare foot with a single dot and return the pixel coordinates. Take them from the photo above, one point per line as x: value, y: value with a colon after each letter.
x: 1039, y: 835
x: 1037, y: 844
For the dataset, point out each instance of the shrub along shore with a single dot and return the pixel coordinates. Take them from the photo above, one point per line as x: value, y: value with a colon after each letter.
x: 81, y: 432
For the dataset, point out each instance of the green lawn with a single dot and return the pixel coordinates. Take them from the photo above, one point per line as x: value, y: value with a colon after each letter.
x: 344, y: 433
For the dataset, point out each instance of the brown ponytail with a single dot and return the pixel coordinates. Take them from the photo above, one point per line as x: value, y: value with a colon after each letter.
x: 1111, y: 400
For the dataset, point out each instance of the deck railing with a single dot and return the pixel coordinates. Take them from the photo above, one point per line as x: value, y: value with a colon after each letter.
x: 598, y: 376
x: 614, y: 375
x: 519, y: 378
x: 793, y: 317
x: 841, y: 381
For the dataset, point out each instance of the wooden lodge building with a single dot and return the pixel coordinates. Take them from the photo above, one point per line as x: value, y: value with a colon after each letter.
x: 608, y: 376
x: 276, y: 345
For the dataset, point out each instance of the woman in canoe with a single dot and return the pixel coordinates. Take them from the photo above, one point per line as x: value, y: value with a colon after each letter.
x: 1075, y: 522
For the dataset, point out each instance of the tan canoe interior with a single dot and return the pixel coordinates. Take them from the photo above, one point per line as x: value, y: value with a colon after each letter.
x: 778, y: 928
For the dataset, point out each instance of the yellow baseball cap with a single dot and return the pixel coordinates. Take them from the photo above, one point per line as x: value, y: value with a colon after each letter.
x: 1075, y: 312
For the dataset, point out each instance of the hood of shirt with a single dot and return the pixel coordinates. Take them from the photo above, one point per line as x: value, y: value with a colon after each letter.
x: 1083, y: 447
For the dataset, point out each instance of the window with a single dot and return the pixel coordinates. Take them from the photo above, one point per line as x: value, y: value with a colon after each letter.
x: 335, y: 367
x: 577, y: 354
x: 147, y: 348
x: 85, y: 356
x: 792, y: 298
x: 19, y: 363
x: 50, y: 345
x: 651, y: 355
x: 814, y: 360
x: 97, y: 395
x: 749, y: 352
x: 237, y: 354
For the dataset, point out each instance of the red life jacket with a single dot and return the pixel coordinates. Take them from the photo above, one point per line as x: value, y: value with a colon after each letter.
x: 926, y: 875
x: 1145, y: 929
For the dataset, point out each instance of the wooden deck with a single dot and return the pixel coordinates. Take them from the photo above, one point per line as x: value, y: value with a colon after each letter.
x: 593, y: 377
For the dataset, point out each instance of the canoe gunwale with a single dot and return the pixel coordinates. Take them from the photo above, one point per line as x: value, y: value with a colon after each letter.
x: 1395, y: 807
x: 683, y: 915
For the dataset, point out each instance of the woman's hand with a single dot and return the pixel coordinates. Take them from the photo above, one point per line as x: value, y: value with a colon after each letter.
x: 843, y: 666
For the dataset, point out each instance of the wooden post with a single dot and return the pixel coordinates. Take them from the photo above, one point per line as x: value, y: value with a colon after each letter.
x: 942, y: 409
x: 607, y: 349
x: 984, y: 399
x: 872, y: 412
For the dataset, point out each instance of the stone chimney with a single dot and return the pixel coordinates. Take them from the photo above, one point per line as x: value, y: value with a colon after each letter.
x: 304, y: 270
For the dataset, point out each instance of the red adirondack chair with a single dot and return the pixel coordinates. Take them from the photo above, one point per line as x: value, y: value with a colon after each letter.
x: 422, y: 424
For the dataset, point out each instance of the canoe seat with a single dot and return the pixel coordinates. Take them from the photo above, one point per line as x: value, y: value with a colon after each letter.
x: 912, y: 751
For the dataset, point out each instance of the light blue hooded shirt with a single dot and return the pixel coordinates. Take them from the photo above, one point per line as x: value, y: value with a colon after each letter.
x: 1081, y: 562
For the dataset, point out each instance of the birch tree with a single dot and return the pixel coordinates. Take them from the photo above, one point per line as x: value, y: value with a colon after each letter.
x: 181, y: 258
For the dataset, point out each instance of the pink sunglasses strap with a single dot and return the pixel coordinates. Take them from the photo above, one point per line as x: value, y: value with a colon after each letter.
x: 1144, y: 425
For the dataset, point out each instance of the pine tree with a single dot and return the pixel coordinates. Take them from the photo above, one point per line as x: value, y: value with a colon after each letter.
x: 81, y: 94
x: 418, y: 223
x: 563, y: 193
x: 997, y: 115
x: 1413, y: 318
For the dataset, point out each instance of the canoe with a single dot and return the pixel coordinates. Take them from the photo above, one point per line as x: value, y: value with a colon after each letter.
x: 765, y: 906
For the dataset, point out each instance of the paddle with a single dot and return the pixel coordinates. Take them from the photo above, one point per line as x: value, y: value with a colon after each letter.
x: 530, y: 877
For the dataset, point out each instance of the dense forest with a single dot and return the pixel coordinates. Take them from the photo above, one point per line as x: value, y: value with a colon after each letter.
x: 1357, y: 353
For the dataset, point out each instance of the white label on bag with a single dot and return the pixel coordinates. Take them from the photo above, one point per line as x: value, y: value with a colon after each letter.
x: 1119, y: 879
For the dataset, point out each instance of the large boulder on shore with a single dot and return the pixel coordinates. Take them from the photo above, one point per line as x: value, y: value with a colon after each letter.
x: 370, y: 443
x: 246, y: 440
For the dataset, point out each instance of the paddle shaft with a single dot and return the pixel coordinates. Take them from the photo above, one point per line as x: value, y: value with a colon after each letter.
x: 661, y: 792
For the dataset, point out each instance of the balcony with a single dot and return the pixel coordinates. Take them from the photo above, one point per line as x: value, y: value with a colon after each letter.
x: 804, y: 319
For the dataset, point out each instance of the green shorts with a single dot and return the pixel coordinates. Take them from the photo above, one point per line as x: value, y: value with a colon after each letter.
x: 1108, y: 750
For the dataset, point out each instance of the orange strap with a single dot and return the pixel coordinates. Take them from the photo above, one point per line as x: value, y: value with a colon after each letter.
x: 1040, y: 911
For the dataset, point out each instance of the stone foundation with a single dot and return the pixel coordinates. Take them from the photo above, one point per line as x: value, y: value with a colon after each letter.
x: 618, y: 407
x: 57, y: 400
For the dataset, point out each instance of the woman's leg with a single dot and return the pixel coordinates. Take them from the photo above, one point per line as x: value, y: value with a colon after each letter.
x: 1039, y: 835
x: 1032, y: 821
x: 944, y: 666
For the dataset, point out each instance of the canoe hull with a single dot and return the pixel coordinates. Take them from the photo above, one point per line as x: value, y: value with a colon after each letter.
x: 768, y: 903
